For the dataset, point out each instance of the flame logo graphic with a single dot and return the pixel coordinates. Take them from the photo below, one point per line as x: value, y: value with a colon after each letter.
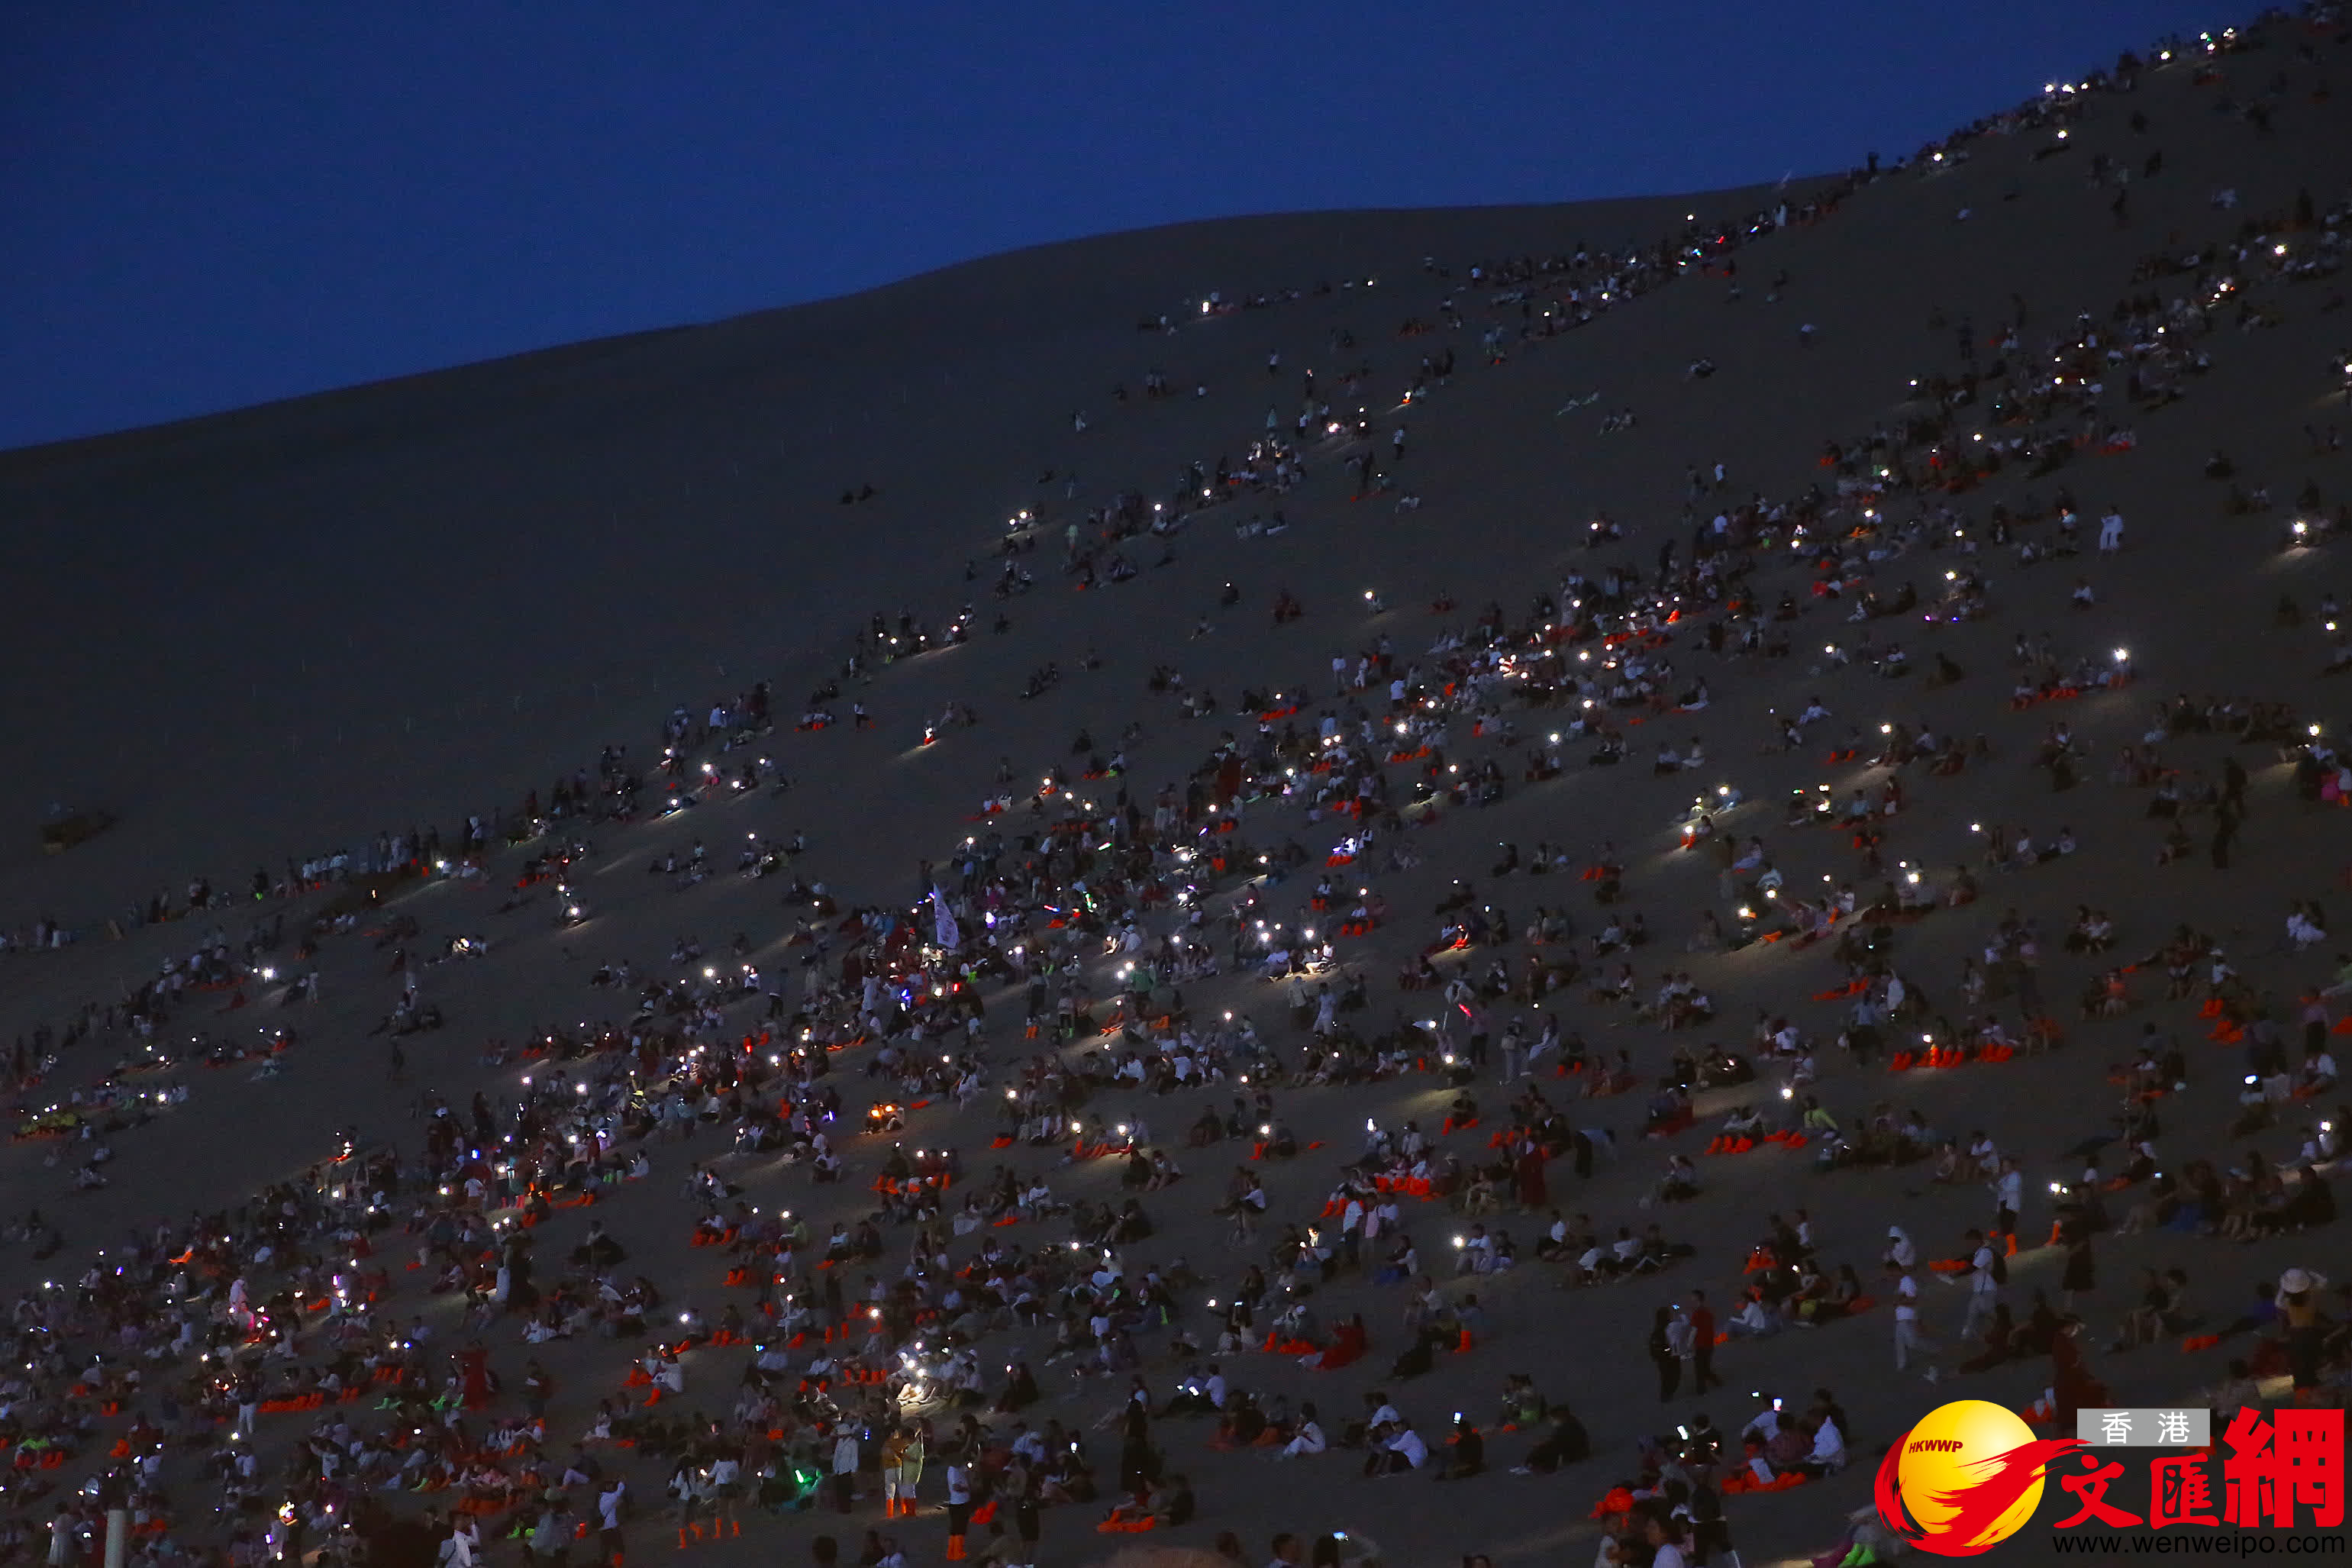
x: 1966, y: 1478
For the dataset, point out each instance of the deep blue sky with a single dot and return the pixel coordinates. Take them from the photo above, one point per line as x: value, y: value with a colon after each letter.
x: 203, y: 206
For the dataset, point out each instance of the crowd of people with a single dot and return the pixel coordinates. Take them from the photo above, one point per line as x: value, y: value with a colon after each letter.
x: 266, y: 1382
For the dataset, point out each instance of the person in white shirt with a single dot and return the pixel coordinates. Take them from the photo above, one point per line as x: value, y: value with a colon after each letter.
x: 1899, y: 1250
x: 1828, y: 1449
x: 1199, y: 1393
x: 1214, y: 1389
x: 1248, y: 1212
x: 1477, y: 1252
x: 1405, y: 1451
x: 1308, y: 1438
x: 959, y: 1505
x: 723, y: 1487
x: 1984, y: 1290
x: 1665, y: 1541
x: 1751, y: 1321
x: 1905, y: 1292
x: 845, y: 1467
x: 1352, y: 1232
x: 2008, y: 1199
x: 609, y: 1503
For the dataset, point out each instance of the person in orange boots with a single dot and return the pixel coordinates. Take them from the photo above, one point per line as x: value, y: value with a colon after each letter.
x: 894, y: 1455
x: 611, y: 1504
x: 686, y: 1488
x: 911, y: 1469
x: 958, y: 1505
x: 726, y: 1494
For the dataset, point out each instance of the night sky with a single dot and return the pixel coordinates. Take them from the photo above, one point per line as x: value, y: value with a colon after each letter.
x: 207, y: 205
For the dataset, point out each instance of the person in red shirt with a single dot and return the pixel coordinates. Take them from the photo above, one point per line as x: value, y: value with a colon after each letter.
x: 1702, y: 1322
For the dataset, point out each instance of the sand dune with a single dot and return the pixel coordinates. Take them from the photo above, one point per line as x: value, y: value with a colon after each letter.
x: 277, y: 632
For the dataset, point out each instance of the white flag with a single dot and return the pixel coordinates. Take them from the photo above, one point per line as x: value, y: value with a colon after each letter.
x: 943, y: 922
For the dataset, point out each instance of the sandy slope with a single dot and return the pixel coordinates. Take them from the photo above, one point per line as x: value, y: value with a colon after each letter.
x: 275, y: 631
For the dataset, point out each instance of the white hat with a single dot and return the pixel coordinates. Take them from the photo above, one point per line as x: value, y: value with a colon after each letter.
x: 2293, y: 1282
